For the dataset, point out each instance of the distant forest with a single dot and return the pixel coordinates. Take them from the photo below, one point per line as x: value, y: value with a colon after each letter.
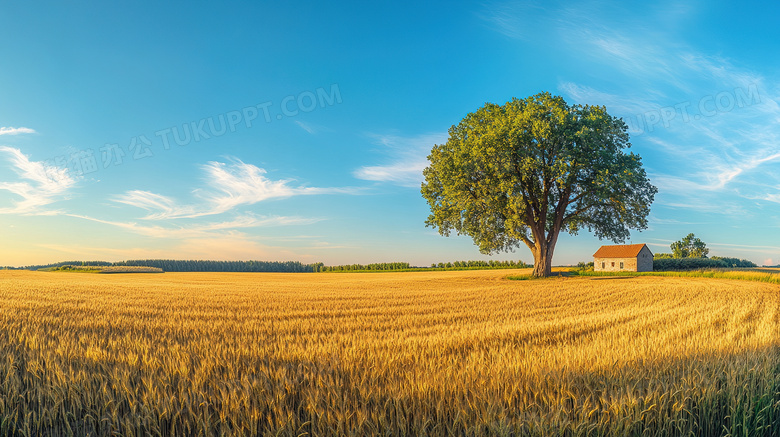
x: 170, y: 265
x: 457, y: 265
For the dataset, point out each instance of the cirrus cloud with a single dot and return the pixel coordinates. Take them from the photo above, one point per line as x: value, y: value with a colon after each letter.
x: 38, y: 185
x: 15, y: 130
x: 228, y: 186
x: 410, y: 157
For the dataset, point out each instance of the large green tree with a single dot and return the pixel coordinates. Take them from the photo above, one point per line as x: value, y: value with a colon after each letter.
x: 521, y: 172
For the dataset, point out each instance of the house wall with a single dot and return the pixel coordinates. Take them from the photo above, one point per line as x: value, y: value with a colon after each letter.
x: 645, y: 260
x: 629, y: 264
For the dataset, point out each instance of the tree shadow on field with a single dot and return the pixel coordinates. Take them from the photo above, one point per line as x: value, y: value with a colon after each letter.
x: 705, y: 394
x: 398, y: 389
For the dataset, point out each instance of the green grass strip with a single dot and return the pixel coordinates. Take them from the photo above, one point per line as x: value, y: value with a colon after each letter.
x: 771, y: 276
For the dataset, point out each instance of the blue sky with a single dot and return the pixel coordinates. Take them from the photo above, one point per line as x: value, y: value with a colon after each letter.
x: 282, y: 130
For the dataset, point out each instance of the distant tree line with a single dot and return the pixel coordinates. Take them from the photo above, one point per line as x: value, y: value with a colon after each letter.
x: 369, y: 267
x: 457, y: 265
x: 104, y: 269
x: 171, y: 265
x: 66, y: 263
x: 492, y: 264
x: 130, y: 269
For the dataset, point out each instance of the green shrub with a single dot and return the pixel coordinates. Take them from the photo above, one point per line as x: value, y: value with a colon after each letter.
x: 662, y: 264
x: 735, y: 262
x: 583, y: 266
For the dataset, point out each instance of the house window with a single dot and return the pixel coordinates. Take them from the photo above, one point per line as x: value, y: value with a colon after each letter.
x: 621, y: 264
x: 613, y: 264
x: 602, y: 265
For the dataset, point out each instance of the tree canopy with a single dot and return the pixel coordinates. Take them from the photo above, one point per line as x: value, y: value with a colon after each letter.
x: 521, y: 172
x: 689, y: 247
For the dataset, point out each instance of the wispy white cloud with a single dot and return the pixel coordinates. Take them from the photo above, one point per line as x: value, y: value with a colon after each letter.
x: 666, y: 245
x: 205, y: 230
x: 772, y: 197
x: 229, y: 186
x: 305, y: 126
x: 509, y: 19
x: 707, y: 154
x: 39, y: 184
x: 161, y: 206
x: 239, y: 183
x: 743, y: 246
x: 409, y: 159
x: 15, y: 130
x: 654, y: 220
x: 405, y: 173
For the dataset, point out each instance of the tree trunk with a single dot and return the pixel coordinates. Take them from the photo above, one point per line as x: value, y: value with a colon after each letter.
x: 542, y: 261
x: 543, y: 253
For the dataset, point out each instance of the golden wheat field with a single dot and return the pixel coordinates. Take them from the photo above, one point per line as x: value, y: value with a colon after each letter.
x: 424, y: 353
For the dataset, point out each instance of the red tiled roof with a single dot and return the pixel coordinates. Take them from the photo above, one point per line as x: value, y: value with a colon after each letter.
x: 619, y: 251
